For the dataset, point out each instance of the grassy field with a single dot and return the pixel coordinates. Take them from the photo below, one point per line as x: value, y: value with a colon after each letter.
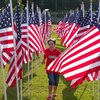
x: 39, y: 84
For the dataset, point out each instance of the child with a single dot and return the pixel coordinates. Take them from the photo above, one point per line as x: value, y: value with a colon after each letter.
x: 50, y: 54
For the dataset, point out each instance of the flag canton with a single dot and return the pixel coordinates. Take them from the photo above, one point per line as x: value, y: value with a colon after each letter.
x: 71, y: 18
x: 80, y: 17
x: 76, y: 20
x: 36, y: 18
x: 24, y: 16
x: 87, y: 19
x: 95, y: 18
x: 31, y: 19
x: 43, y: 18
x: 18, y: 22
x: 48, y: 17
x: 65, y: 18
x: 6, y: 18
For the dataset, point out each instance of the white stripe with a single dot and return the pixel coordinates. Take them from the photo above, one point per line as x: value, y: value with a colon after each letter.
x: 83, y: 52
x: 6, y: 38
x: 72, y: 37
x: 79, y: 71
x: 84, y: 27
x: 80, y: 61
x: 23, y: 25
x: 25, y: 44
x: 4, y: 30
x: 74, y: 81
x: 34, y: 41
x: 76, y: 49
x: 24, y: 30
x: 69, y: 32
x: 90, y: 77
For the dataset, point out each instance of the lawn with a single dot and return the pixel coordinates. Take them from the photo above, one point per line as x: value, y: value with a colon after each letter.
x: 39, y: 84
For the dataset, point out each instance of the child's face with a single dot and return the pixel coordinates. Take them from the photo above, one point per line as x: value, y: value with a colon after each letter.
x: 51, y: 44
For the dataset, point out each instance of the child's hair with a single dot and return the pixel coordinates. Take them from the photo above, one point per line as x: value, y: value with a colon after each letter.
x: 53, y: 40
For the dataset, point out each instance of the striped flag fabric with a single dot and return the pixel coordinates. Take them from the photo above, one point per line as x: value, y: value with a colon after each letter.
x: 68, y: 39
x: 62, y: 25
x: 81, y: 59
x: 6, y: 35
x: 24, y: 26
x: 17, y: 60
x: 24, y: 29
x: 35, y: 39
x: 84, y: 26
x: 71, y: 31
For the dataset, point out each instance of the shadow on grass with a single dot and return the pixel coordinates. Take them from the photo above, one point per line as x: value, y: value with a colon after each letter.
x: 68, y: 92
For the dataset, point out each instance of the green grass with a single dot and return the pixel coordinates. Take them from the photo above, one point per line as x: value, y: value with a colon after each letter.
x: 39, y: 84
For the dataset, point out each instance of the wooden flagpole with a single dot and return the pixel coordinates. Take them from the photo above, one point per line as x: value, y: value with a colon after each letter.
x: 3, y: 76
x: 14, y: 50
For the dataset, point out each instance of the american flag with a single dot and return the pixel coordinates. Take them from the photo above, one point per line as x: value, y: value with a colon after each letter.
x: 62, y: 26
x: 71, y: 31
x: 95, y: 18
x: 18, y: 59
x: 85, y: 25
x: 24, y: 29
x: 6, y: 35
x: 34, y: 36
x: 36, y: 18
x: 81, y: 59
x: 24, y: 26
x: 46, y: 25
x: 94, y: 75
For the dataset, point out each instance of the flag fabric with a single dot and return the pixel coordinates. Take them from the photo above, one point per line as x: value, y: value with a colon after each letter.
x: 24, y: 28
x: 62, y: 25
x: 34, y: 37
x: 68, y: 39
x: 6, y: 35
x: 72, y: 30
x: 81, y: 59
x: 85, y: 25
x: 17, y: 60
x: 46, y: 25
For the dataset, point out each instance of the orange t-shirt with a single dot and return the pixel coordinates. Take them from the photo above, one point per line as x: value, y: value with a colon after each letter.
x: 51, y: 55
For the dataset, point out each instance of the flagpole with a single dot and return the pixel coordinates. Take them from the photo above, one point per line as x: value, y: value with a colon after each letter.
x: 91, y: 20
x: 99, y: 12
x: 20, y: 79
x: 14, y: 50
x: 98, y: 85
x: 28, y: 50
x: 91, y: 9
x: 99, y: 71
x: 3, y: 77
x: 32, y: 53
x: 45, y: 23
x: 82, y: 8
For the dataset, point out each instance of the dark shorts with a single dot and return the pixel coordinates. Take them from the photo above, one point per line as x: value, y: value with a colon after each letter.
x: 53, y: 79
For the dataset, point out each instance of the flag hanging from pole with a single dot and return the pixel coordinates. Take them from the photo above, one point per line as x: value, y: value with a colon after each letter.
x: 11, y: 78
x: 6, y: 35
